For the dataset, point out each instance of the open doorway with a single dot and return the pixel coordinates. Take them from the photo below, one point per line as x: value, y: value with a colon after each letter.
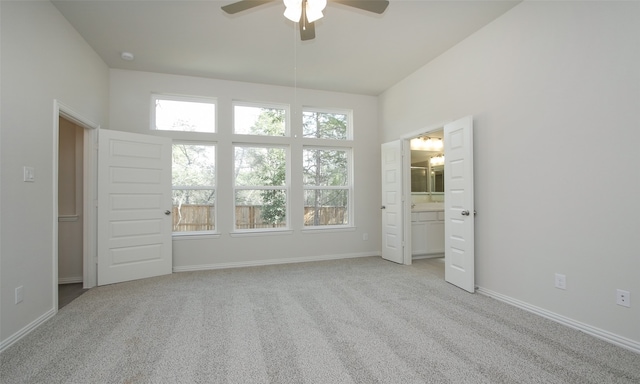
x: 458, y: 204
x: 74, y: 214
x: 70, y: 211
x: 427, y: 197
x: 458, y: 212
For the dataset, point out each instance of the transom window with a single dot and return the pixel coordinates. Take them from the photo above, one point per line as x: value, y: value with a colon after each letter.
x: 320, y: 124
x: 259, y: 119
x: 185, y: 114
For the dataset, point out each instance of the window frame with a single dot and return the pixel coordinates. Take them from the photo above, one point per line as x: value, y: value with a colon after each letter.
x: 214, y: 187
x: 181, y: 98
x: 348, y: 187
x: 286, y: 186
x: 253, y: 104
x: 347, y: 112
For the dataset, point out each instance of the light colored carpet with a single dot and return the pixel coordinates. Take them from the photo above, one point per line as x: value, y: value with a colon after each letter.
x: 347, y: 321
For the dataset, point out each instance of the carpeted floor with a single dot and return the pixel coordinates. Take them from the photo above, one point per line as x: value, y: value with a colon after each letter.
x: 346, y: 321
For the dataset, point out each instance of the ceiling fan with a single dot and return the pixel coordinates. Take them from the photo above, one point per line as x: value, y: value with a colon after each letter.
x: 306, y: 12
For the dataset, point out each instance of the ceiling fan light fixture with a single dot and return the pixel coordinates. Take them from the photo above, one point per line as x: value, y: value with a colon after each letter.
x: 306, y: 12
x: 314, y: 8
x: 313, y: 15
x: 293, y: 10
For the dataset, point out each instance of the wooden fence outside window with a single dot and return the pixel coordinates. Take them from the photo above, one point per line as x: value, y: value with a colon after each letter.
x: 195, y: 218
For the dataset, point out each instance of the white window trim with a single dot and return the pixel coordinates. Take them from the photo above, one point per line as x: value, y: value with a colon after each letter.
x: 254, y: 104
x: 347, y: 112
x: 215, y: 233
x: 286, y: 187
x: 348, y: 187
x: 172, y: 97
x: 261, y: 232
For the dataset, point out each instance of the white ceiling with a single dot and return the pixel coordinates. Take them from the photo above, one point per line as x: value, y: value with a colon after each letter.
x: 354, y: 51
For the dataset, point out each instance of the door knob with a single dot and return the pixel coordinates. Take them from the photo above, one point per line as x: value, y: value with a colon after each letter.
x: 464, y: 213
x: 167, y: 212
x: 383, y: 207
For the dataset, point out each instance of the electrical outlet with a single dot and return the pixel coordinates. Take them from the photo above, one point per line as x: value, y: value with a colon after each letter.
x: 623, y: 298
x: 561, y: 281
x: 365, y: 236
x: 19, y: 294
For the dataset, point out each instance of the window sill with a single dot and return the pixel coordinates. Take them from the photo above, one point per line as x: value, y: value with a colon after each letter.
x: 194, y: 235
x: 261, y: 233
x: 327, y: 229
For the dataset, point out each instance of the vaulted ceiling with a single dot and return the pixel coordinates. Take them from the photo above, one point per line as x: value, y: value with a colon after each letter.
x: 354, y: 51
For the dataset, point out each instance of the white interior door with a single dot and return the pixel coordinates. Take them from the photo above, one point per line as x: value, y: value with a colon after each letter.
x: 134, y: 206
x: 392, y: 217
x: 458, y: 204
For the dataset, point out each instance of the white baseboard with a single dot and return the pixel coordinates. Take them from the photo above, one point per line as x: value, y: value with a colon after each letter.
x: 258, y: 263
x: 70, y: 280
x: 429, y: 256
x: 593, y: 331
x: 24, y: 331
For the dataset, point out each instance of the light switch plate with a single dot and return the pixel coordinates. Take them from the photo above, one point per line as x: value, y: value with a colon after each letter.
x: 29, y: 174
x: 561, y: 281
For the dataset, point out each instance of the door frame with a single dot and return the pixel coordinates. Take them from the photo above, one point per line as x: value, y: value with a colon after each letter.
x: 406, y: 182
x: 89, y: 173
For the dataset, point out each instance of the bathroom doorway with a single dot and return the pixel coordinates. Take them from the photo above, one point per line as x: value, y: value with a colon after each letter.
x: 70, y: 211
x: 427, y: 195
x: 458, y: 211
x: 74, y: 213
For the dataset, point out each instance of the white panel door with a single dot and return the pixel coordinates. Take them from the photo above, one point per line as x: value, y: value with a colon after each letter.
x: 392, y: 218
x: 458, y: 204
x: 134, y: 206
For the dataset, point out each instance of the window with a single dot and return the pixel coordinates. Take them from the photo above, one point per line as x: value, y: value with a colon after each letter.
x: 326, y: 186
x: 260, y: 187
x: 194, y: 187
x: 325, y: 125
x: 186, y: 114
x: 327, y: 182
x: 259, y: 119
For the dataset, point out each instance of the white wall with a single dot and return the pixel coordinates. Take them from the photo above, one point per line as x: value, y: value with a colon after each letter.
x: 43, y: 58
x: 554, y: 88
x: 130, y: 104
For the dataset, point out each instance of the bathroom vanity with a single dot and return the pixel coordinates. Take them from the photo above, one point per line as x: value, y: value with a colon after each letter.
x: 427, y: 230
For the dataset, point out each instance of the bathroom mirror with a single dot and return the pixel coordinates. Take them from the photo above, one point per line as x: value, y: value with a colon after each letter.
x: 427, y: 163
x: 419, y: 179
x: 427, y: 180
x: 436, y: 180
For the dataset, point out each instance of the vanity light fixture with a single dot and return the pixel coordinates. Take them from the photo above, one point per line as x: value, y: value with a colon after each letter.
x: 425, y: 143
x: 437, y: 160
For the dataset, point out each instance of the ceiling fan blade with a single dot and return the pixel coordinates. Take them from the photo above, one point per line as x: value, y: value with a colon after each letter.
x: 307, y: 29
x: 375, y: 6
x: 243, y: 5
